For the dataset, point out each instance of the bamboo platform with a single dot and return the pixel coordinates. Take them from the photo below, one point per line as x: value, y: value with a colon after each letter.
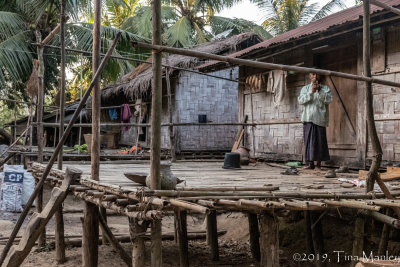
x: 209, y: 187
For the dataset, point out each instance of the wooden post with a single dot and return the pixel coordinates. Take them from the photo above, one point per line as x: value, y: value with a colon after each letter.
x: 180, y: 216
x: 269, y: 240
x: 90, y: 237
x: 383, y: 243
x: 46, y: 171
x: 317, y: 238
x: 156, y: 105
x: 137, y: 232
x: 212, y: 234
x: 59, y: 236
x: 376, y: 145
x: 254, y: 236
x: 309, y: 239
x: 156, y: 245
x: 59, y: 230
x: 358, y: 243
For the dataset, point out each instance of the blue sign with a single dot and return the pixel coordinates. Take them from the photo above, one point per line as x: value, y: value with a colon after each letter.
x: 13, y: 177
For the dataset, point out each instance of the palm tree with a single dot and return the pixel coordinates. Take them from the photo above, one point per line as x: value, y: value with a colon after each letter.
x: 285, y: 15
x: 19, y: 19
x: 189, y: 22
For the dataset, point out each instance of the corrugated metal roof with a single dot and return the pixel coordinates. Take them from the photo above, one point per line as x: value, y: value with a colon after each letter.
x: 348, y: 15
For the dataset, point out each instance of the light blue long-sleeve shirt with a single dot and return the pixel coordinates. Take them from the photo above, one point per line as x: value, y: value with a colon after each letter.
x: 315, y: 105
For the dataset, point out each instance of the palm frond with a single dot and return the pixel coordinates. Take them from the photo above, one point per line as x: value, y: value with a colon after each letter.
x: 221, y: 24
x: 11, y: 24
x: 179, y: 34
x: 200, y: 35
x: 32, y: 9
x: 328, y: 8
x: 16, y: 56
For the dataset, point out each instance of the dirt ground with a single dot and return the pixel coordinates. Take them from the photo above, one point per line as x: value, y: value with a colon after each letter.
x: 234, y: 245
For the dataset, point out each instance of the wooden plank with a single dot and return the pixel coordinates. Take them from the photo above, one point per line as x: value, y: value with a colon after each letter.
x: 385, y: 176
x: 237, y: 141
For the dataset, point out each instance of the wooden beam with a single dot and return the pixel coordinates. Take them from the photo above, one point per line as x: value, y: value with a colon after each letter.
x: 38, y: 221
x: 212, y: 234
x: 269, y: 240
x: 261, y: 65
x: 54, y: 155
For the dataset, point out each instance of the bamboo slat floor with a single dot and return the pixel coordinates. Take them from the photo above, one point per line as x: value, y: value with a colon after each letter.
x: 211, y: 174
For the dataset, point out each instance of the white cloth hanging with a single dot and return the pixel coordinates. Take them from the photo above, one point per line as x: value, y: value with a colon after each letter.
x: 277, y: 85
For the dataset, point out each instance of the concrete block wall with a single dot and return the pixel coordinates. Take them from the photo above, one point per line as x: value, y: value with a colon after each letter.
x: 218, y: 99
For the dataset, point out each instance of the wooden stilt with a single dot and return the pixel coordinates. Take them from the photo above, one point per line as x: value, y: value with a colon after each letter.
x: 137, y: 231
x: 156, y: 110
x: 170, y: 115
x: 212, y: 234
x: 309, y: 239
x: 254, y: 236
x: 59, y: 236
x: 90, y: 235
x: 180, y: 216
x: 317, y: 238
x: 269, y: 240
x: 383, y: 243
x: 156, y: 252
x: 358, y: 243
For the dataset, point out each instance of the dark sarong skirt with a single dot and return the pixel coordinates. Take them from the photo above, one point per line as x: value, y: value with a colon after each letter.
x: 316, y: 145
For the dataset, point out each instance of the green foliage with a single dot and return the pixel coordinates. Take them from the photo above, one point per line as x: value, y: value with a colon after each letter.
x: 285, y: 15
x: 190, y: 22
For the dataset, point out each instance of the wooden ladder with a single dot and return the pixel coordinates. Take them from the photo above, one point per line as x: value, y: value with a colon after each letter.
x: 38, y: 221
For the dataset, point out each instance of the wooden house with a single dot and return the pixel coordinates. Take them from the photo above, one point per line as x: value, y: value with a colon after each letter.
x: 332, y: 43
x: 194, y: 98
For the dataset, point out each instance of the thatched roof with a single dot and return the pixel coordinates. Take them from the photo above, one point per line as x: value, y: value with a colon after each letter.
x: 138, y: 82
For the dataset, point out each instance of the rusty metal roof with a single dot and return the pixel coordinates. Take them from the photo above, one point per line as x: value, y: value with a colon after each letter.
x: 345, y: 16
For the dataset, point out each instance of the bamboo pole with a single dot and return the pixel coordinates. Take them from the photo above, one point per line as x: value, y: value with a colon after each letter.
x: 156, y: 109
x: 393, y: 222
x: 385, y: 6
x: 189, y: 206
x: 39, y: 131
x: 261, y: 65
x: 317, y: 238
x: 53, y: 157
x: 170, y: 115
x: 59, y: 229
